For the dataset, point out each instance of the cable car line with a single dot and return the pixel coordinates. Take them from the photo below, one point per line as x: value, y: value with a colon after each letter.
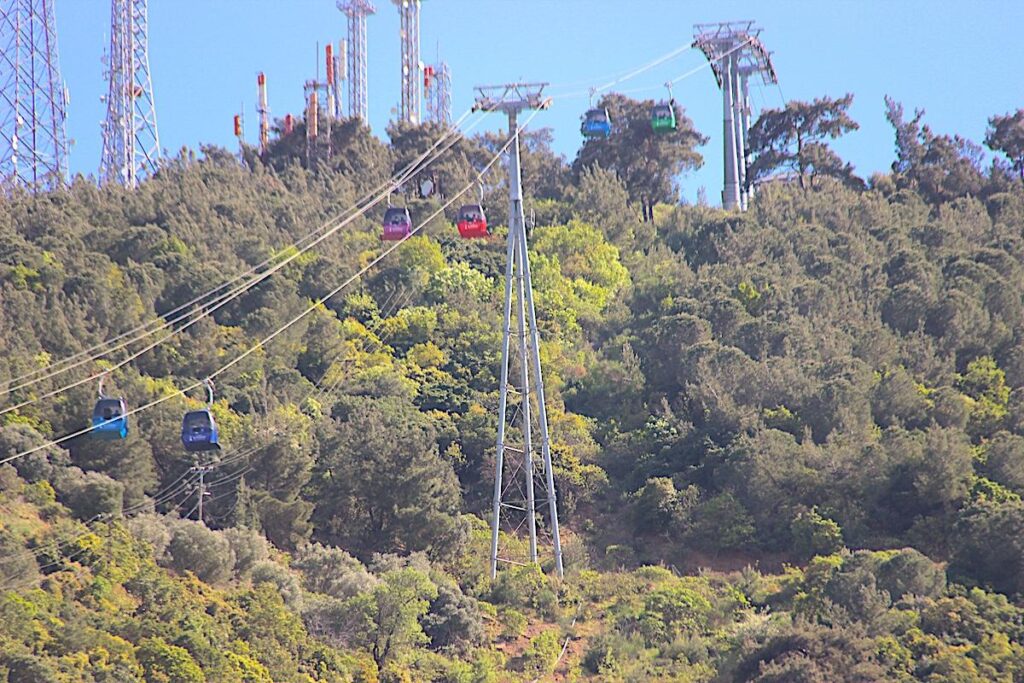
x: 273, y: 335
x: 221, y: 302
x: 414, y: 167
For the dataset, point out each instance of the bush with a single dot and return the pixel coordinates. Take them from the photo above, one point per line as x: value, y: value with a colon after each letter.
x: 815, y: 535
x: 542, y: 653
x: 91, y: 494
x: 513, y: 623
x: 250, y: 548
x: 170, y: 663
x: 332, y: 571
x: 453, y: 621
x: 286, y: 583
x: 154, y: 530
x: 205, y: 553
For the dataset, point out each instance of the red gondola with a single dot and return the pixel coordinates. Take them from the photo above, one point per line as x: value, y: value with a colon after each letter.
x: 397, y: 224
x: 472, y: 222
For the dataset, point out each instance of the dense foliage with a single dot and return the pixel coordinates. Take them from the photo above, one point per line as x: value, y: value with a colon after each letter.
x: 829, y: 387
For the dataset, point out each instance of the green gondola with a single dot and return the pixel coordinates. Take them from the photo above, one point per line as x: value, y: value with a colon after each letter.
x: 663, y: 117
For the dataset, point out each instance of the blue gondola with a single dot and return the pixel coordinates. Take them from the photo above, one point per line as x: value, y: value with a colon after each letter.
x: 110, y: 419
x: 198, y: 428
x: 596, y: 124
x: 109, y: 416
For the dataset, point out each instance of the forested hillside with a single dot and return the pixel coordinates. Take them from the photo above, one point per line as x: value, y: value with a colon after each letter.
x: 788, y: 443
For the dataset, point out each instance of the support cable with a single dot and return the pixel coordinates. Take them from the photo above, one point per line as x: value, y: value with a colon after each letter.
x: 276, y: 333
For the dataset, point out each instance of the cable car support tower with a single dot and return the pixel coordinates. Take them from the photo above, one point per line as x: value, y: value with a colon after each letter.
x: 511, y: 99
x: 735, y: 53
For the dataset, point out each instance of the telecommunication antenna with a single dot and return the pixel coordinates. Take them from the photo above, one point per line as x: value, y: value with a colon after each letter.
x: 357, y: 11
x: 511, y: 99
x: 131, y: 143
x: 264, y: 111
x: 735, y: 52
x: 409, y: 108
x: 437, y: 91
x: 33, y: 99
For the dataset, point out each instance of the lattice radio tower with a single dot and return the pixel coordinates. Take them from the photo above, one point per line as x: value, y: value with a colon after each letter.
x: 437, y: 93
x: 33, y: 99
x: 357, y: 11
x: 410, y: 108
x: 736, y: 53
x: 131, y: 144
x: 510, y: 500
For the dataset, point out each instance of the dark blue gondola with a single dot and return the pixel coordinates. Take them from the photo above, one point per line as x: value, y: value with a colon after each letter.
x: 109, y: 417
x: 198, y: 428
x: 596, y: 124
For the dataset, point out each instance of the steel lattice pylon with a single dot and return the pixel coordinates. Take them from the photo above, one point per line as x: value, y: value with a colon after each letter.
x: 131, y: 144
x: 437, y: 88
x: 33, y: 100
x: 409, y: 108
x: 511, y: 99
x: 357, y: 11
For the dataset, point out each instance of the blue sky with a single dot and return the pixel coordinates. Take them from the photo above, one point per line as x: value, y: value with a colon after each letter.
x: 960, y: 61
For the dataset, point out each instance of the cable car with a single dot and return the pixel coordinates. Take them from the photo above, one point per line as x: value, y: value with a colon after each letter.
x: 198, y: 428
x: 663, y: 117
x: 397, y: 223
x: 472, y: 222
x: 596, y: 124
x: 109, y: 416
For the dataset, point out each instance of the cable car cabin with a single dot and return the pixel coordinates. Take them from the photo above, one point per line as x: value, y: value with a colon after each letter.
x: 110, y: 419
x: 397, y: 223
x: 596, y: 124
x: 199, y: 431
x: 663, y: 117
x: 472, y: 222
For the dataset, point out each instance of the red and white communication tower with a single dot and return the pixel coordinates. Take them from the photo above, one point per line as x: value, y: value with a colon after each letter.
x: 437, y: 93
x: 33, y: 99
x: 264, y: 111
x: 131, y: 144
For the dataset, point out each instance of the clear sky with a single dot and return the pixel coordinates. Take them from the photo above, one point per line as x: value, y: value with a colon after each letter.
x: 960, y: 60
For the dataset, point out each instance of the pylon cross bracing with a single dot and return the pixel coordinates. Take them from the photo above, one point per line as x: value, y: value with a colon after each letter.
x: 410, y: 105
x: 357, y: 11
x: 33, y: 99
x: 131, y: 142
x: 511, y: 99
x: 437, y: 88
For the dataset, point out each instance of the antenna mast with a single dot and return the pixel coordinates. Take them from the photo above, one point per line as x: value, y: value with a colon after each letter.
x: 409, y: 110
x: 357, y: 11
x: 735, y: 52
x: 511, y: 99
x: 33, y: 98
x: 264, y: 111
x: 131, y: 144
x: 437, y: 90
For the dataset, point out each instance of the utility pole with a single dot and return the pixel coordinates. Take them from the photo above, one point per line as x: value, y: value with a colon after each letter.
x: 357, y: 11
x: 735, y: 52
x: 131, y: 143
x: 33, y: 99
x: 409, y: 11
x: 511, y: 99
x: 201, y: 470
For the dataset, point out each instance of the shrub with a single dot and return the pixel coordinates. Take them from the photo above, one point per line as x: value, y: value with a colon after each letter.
x: 205, y: 553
